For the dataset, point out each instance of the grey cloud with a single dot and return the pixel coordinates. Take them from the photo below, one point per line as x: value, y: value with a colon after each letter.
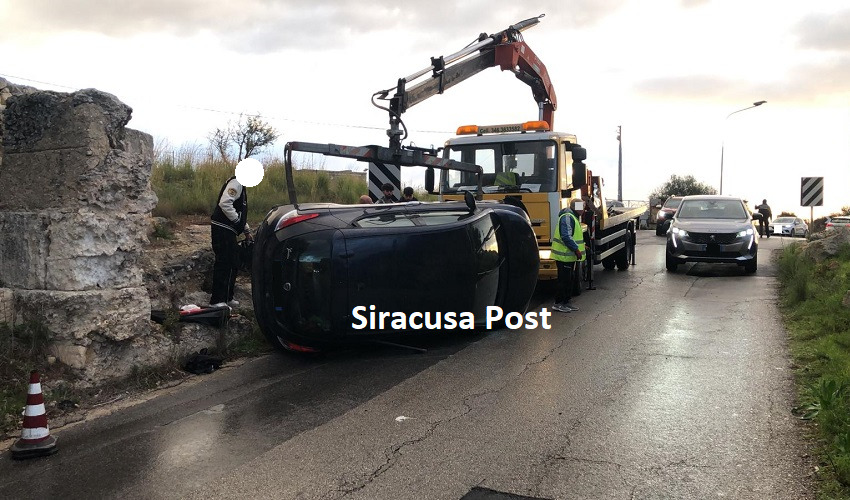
x: 803, y: 84
x: 262, y: 26
x: 825, y: 31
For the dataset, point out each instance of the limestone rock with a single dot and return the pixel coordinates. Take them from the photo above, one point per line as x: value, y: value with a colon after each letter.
x: 72, y: 150
x: 71, y: 251
x: 828, y: 245
x: 87, y: 316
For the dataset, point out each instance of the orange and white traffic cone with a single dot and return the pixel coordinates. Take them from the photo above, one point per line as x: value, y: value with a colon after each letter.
x: 35, y: 440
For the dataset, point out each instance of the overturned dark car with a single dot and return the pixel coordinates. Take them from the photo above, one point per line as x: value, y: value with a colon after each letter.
x: 314, y: 265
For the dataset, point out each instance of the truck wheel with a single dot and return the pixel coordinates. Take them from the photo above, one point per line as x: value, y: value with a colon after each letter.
x: 608, y: 263
x: 672, y: 263
x: 623, y: 257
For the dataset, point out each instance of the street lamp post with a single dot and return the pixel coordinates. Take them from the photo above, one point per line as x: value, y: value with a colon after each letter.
x: 723, y: 141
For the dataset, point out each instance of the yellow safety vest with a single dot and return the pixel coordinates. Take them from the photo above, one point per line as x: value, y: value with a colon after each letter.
x: 559, y: 249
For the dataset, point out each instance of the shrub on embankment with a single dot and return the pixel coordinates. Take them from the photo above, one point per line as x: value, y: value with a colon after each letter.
x: 191, y: 188
x: 815, y: 279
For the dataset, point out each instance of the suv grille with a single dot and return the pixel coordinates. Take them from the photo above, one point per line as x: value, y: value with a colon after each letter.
x: 720, y: 238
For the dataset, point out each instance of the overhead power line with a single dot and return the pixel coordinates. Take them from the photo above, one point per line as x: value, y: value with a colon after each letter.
x: 240, y: 113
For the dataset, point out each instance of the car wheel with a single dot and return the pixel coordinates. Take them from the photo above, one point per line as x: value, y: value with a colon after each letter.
x: 751, y: 266
x: 608, y: 263
x: 660, y: 228
x: 672, y: 263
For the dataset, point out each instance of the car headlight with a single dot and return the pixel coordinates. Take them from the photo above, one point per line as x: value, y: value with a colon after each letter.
x: 745, y: 232
x: 680, y: 232
x: 660, y: 215
x: 545, y: 254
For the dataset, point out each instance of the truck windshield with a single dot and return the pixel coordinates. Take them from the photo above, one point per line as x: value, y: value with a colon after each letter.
x: 524, y: 166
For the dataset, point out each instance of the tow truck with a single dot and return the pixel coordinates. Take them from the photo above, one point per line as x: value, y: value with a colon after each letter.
x: 523, y: 164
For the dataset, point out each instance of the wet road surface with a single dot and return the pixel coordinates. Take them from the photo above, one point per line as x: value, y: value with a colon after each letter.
x: 661, y: 386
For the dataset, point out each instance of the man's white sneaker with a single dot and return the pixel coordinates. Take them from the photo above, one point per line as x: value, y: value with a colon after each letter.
x: 561, y: 308
x: 571, y: 307
x: 233, y: 303
x: 218, y: 304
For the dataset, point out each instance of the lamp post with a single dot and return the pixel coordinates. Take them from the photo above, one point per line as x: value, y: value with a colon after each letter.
x: 723, y: 141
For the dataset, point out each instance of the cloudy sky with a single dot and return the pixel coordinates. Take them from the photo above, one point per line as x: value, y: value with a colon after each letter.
x: 668, y: 72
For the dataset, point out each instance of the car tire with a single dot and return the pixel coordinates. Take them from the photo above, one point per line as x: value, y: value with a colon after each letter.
x: 751, y: 266
x: 660, y: 229
x: 608, y: 263
x: 672, y: 263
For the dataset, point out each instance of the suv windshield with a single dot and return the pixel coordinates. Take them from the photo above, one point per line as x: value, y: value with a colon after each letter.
x: 528, y: 166
x: 712, y: 209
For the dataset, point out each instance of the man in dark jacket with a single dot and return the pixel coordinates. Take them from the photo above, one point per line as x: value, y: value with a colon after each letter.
x: 766, y: 215
x: 388, y: 191
x: 229, y: 219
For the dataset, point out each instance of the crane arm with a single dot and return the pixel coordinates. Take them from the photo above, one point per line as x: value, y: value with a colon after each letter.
x: 505, y: 49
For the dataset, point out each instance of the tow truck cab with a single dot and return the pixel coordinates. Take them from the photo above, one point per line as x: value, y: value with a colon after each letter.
x: 524, y: 162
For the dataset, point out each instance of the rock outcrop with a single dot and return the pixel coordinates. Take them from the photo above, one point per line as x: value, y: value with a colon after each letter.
x: 74, y: 222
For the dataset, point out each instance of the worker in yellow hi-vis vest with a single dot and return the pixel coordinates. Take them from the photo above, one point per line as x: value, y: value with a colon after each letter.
x: 568, y: 251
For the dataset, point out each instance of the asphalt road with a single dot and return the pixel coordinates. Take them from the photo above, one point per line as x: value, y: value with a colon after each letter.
x: 661, y: 386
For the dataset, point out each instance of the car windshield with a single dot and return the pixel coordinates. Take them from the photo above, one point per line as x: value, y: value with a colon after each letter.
x: 784, y: 220
x: 672, y: 203
x: 841, y: 220
x: 711, y: 209
x: 507, y: 167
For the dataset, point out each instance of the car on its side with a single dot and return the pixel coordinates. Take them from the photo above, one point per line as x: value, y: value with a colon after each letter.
x: 665, y: 214
x: 788, y: 226
x: 709, y: 228
x: 835, y: 222
x: 314, y: 264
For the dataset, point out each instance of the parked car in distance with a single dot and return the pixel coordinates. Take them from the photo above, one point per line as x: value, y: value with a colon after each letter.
x: 712, y: 229
x: 843, y: 221
x: 665, y: 214
x: 788, y: 226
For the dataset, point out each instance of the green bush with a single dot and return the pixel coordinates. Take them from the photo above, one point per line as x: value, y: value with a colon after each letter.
x: 189, y: 189
x: 819, y: 326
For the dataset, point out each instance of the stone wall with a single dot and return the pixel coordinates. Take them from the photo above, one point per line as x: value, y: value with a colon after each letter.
x: 73, y: 223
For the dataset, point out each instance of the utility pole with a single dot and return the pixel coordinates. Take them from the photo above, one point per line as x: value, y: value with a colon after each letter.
x: 620, y: 164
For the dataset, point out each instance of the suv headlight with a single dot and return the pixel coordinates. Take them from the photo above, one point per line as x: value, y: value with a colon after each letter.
x: 680, y: 232
x: 745, y: 232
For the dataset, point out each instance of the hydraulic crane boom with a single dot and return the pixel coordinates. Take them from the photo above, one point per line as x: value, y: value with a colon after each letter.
x: 505, y: 49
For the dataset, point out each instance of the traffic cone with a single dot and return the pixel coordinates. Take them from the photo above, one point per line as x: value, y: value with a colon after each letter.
x: 35, y: 440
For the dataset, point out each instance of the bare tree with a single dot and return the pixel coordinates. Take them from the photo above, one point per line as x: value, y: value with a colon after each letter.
x: 247, y: 136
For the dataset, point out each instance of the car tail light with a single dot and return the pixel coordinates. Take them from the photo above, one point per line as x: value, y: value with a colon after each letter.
x: 829, y: 224
x: 292, y: 218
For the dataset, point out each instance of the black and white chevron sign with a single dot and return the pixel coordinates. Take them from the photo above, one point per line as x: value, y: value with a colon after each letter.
x: 380, y: 173
x: 811, y: 192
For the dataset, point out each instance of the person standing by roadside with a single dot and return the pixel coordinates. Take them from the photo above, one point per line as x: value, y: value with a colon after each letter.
x: 387, y: 189
x: 229, y: 219
x: 567, y: 251
x: 766, y: 215
x: 407, y: 195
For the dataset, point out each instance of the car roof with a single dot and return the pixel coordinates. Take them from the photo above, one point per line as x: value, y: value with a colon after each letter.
x: 712, y: 197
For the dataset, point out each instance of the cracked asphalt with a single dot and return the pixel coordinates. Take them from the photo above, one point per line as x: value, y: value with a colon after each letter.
x: 661, y: 386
